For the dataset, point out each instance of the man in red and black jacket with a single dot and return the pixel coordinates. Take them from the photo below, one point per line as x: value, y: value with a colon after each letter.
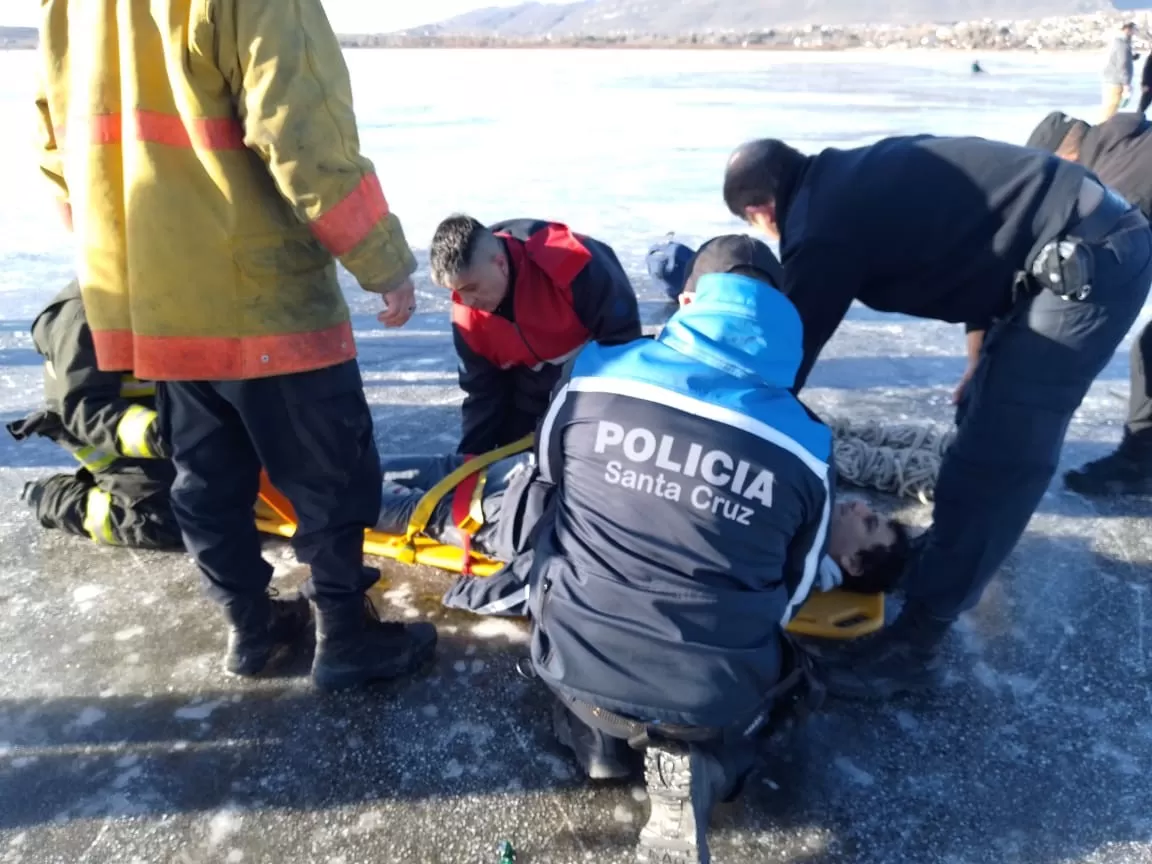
x: 527, y: 295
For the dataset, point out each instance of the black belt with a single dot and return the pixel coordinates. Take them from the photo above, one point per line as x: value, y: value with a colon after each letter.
x: 639, y: 734
x: 1111, y: 214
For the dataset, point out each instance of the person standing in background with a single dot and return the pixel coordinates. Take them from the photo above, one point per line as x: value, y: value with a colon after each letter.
x: 205, y: 155
x: 1118, y: 71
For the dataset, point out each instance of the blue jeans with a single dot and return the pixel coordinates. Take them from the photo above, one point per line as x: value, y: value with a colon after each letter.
x: 1037, y: 364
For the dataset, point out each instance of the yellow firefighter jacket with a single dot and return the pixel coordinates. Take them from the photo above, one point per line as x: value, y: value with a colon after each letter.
x: 207, y: 154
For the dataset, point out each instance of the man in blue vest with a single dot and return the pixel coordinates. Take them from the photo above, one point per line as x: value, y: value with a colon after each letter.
x: 526, y: 295
x: 688, y: 520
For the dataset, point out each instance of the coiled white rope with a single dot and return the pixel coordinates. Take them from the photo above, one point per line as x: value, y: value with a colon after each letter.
x: 900, y: 459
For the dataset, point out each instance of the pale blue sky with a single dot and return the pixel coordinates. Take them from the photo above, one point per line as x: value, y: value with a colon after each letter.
x: 361, y: 16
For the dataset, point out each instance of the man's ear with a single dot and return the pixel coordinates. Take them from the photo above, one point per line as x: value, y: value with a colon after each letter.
x: 851, y: 564
x: 765, y: 211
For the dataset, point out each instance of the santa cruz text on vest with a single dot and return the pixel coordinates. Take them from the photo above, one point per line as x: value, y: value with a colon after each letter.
x: 728, y: 482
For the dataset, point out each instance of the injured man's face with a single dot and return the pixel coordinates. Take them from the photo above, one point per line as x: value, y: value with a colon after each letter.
x: 870, y: 549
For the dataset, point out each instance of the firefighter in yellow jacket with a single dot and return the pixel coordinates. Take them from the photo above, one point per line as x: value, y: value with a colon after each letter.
x: 206, y: 155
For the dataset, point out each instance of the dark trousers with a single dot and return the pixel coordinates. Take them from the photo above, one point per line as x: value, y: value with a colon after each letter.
x: 421, y: 473
x: 1138, y: 430
x: 1035, y: 369
x: 80, y: 504
x: 312, y: 433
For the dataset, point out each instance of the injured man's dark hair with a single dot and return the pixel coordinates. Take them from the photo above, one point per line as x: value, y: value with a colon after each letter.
x: 866, y: 553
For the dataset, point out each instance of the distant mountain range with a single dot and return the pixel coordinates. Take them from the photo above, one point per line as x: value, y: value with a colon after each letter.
x: 675, y: 17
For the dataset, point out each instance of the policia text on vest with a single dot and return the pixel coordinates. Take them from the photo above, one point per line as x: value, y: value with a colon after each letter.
x: 728, y: 483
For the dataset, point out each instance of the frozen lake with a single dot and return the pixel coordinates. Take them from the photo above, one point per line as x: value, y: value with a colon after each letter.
x: 121, y: 742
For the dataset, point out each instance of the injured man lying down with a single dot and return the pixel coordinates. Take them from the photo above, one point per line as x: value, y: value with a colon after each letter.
x: 494, y: 511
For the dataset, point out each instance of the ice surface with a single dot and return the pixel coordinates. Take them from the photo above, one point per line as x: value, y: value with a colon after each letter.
x: 141, y: 750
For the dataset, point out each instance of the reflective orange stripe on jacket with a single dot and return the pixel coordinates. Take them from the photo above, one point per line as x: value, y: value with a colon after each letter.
x: 341, y: 229
x: 205, y: 133
x: 217, y: 358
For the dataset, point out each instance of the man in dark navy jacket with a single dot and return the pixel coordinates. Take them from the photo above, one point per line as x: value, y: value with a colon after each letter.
x: 690, y: 515
x: 527, y: 294
x: 1012, y: 240
x: 1119, y: 152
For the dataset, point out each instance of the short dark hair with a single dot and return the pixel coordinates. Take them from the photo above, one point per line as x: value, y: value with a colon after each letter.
x: 734, y: 253
x: 756, y: 171
x: 454, y: 246
x: 882, y: 566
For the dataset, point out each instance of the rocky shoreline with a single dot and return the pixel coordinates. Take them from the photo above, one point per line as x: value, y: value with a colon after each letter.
x: 1064, y: 33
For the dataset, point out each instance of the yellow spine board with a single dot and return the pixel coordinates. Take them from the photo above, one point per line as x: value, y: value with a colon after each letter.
x: 826, y: 615
x: 830, y: 615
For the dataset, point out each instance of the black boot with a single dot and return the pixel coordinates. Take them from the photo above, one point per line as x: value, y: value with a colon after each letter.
x: 683, y: 788
x: 601, y: 756
x: 258, y: 628
x: 353, y: 646
x: 904, y: 658
x: 32, y: 493
x: 1127, y: 471
x: 397, y: 504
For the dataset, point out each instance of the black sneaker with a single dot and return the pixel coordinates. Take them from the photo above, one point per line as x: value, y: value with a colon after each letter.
x: 1122, y: 472
x: 601, y: 756
x: 675, y: 833
x: 262, y: 629
x: 354, y: 647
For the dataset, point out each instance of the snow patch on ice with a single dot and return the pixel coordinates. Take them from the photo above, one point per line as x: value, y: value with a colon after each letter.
x: 853, y: 772
x: 452, y: 770
x: 559, y: 767
x: 126, y: 778
x: 907, y: 722
x: 130, y: 633
x: 89, y: 717
x: 85, y: 596
x: 1125, y: 763
x: 223, y: 825
x: 501, y: 628
x: 372, y: 821
x: 197, y: 711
